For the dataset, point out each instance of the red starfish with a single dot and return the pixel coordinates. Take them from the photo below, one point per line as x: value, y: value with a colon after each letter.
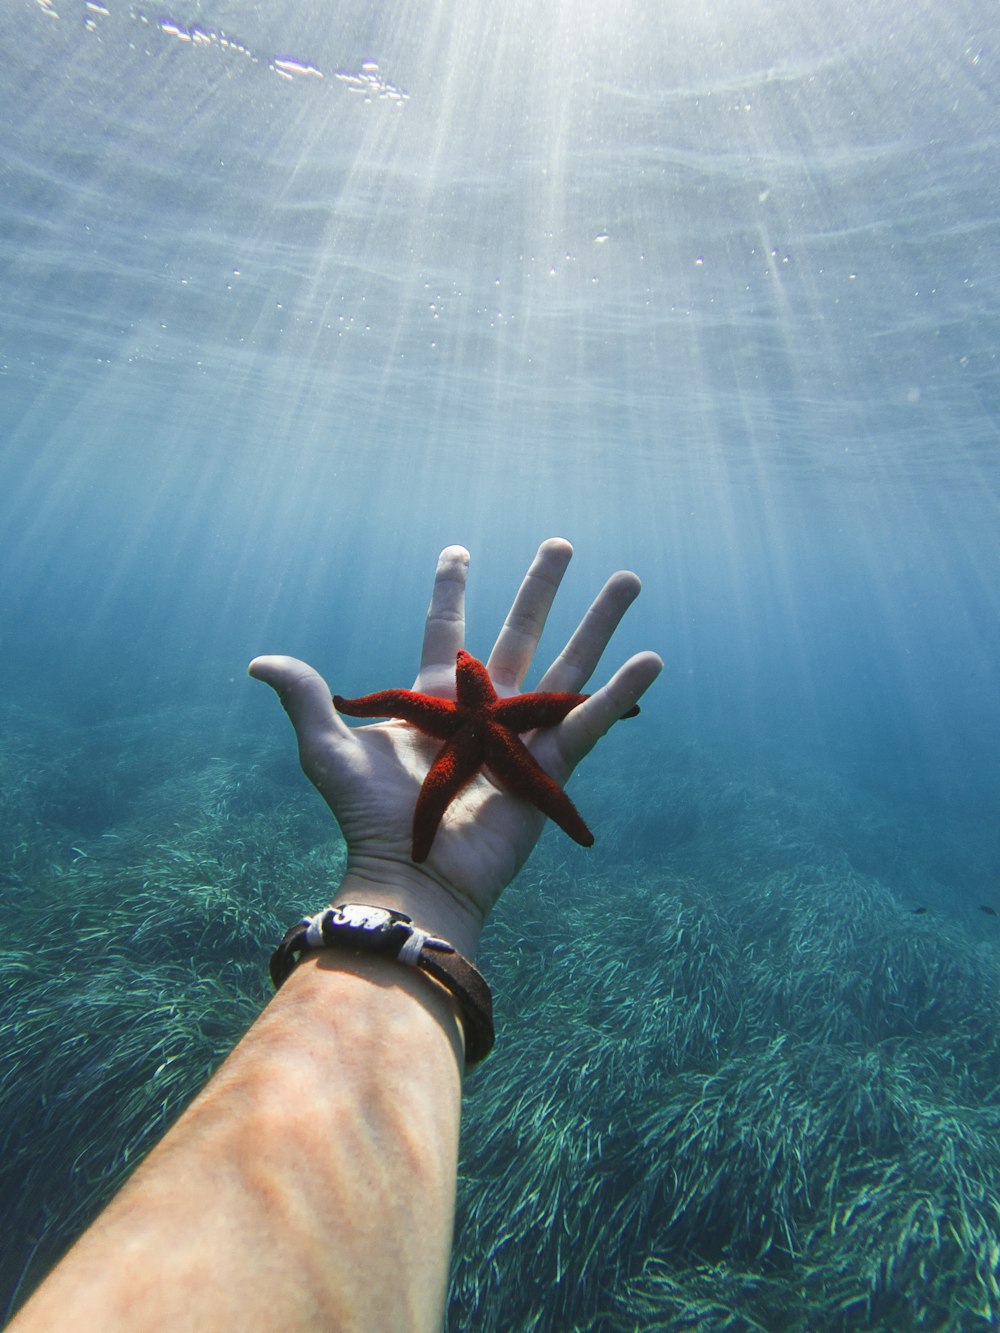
x: 479, y: 729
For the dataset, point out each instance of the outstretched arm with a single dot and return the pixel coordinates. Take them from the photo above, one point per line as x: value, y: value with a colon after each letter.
x: 311, y: 1184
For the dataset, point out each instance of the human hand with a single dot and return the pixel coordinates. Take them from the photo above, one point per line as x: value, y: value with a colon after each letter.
x: 370, y: 776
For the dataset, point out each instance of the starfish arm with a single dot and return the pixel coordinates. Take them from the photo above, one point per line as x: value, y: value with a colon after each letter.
x: 517, y: 769
x: 436, y: 717
x: 525, y: 712
x: 472, y: 682
x: 478, y: 728
x: 456, y: 765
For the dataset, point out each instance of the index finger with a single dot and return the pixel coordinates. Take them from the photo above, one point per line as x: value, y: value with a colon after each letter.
x: 444, y: 630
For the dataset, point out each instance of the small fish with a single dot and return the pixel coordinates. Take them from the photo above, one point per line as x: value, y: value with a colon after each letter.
x: 919, y: 911
x: 985, y: 907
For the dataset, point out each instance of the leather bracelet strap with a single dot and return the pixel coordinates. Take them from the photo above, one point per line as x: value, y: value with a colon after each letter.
x: 472, y: 995
x: 365, y: 929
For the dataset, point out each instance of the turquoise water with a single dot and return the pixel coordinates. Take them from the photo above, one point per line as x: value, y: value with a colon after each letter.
x: 292, y: 297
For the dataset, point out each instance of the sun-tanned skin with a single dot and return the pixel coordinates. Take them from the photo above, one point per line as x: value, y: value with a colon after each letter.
x: 311, y: 1185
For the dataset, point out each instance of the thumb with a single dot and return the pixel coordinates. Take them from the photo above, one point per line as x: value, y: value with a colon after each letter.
x: 305, y: 697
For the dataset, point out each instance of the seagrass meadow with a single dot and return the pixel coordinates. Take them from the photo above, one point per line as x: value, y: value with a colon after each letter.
x: 740, y: 1082
x: 295, y: 295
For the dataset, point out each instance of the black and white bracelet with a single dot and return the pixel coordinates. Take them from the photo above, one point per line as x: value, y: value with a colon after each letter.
x: 382, y: 931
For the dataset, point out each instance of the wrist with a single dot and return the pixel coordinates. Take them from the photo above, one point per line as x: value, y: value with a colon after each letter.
x: 351, y: 929
x: 432, y: 904
x: 374, y: 996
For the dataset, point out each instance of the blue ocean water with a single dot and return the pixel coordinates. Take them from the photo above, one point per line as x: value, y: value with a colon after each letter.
x: 711, y: 294
x: 293, y: 296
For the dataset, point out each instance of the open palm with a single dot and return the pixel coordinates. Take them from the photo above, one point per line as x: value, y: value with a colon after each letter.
x: 371, y: 775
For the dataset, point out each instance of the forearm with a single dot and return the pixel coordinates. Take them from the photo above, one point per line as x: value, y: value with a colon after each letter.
x: 310, y: 1186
